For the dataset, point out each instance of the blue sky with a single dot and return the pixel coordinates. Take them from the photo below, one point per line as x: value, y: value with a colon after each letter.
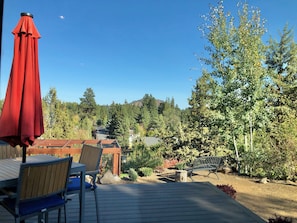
x: 124, y: 49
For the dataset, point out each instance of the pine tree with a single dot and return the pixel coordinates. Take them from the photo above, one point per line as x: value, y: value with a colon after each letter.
x: 87, y: 104
x: 281, y: 59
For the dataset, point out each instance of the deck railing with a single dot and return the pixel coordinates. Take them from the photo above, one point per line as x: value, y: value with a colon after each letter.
x: 62, y: 148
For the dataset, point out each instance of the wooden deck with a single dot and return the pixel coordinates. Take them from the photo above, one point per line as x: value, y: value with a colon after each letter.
x: 159, y: 202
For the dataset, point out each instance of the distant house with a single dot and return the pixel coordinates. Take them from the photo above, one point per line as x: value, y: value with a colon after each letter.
x: 100, y: 133
x: 109, y: 143
x: 151, y: 141
x: 148, y: 141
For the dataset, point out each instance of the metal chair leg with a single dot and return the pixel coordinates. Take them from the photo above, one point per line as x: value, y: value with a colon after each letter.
x: 97, y: 205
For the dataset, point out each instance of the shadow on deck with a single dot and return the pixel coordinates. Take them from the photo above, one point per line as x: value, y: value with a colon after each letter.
x: 158, y: 202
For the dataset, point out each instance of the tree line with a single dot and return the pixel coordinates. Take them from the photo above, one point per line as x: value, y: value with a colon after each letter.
x: 150, y: 117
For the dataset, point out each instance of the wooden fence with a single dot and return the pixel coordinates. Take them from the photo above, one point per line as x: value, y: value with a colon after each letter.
x: 62, y: 148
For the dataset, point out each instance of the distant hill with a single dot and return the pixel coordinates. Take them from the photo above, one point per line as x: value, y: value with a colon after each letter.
x: 139, y: 102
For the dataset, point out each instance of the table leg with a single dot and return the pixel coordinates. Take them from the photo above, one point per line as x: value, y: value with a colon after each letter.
x: 82, y: 197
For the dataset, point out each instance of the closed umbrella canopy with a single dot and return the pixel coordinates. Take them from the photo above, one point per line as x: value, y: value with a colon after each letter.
x: 21, y: 120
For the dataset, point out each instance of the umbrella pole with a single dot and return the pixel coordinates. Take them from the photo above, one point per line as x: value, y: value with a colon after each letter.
x: 24, y: 154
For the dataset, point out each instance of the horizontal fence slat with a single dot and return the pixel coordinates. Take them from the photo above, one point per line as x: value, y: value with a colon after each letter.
x: 53, y: 151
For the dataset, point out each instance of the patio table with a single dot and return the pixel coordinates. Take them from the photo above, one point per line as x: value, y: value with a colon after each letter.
x: 9, y: 173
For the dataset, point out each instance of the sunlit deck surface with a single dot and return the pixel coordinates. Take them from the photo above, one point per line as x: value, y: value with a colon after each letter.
x: 158, y: 202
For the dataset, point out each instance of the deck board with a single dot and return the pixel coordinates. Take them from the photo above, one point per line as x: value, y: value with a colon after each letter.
x: 160, y: 202
x: 171, y: 202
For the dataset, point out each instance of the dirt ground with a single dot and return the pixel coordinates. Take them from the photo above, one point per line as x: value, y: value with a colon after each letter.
x: 265, y: 199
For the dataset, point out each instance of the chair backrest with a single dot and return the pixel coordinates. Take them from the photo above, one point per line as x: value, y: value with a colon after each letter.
x: 42, y: 179
x: 90, y: 156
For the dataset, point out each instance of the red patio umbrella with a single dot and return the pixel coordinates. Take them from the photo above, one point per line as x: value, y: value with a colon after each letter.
x: 21, y: 120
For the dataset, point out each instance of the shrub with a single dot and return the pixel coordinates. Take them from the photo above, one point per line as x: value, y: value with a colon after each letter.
x: 133, y: 174
x: 187, y: 154
x: 180, y: 165
x: 143, y: 156
x: 124, y: 175
x: 279, y: 219
x: 146, y: 171
x: 228, y: 189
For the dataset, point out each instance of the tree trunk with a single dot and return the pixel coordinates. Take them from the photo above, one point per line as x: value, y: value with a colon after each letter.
x: 235, y: 147
x: 237, y: 155
x: 245, y: 143
x: 251, y: 135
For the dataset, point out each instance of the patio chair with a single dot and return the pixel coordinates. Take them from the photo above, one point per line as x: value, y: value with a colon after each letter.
x: 2, y: 195
x: 41, y: 188
x: 90, y: 156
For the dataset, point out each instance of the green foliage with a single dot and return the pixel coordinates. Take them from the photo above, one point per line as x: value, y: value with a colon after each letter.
x: 87, y: 104
x: 133, y: 175
x: 181, y: 165
x: 187, y: 154
x: 182, y: 144
x: 124, y: 175
x: 119, y: 124
x: 76, y: 121
x: 102, y: 115
x: 146, y: 171
x: 1, y: 104
x: 229, y: 99
x: 241, y: 104
x: 277, y: 157
x: 254, y: 163
x: 57, y: 119
x: 106, y: 163
x: 143, y: 156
